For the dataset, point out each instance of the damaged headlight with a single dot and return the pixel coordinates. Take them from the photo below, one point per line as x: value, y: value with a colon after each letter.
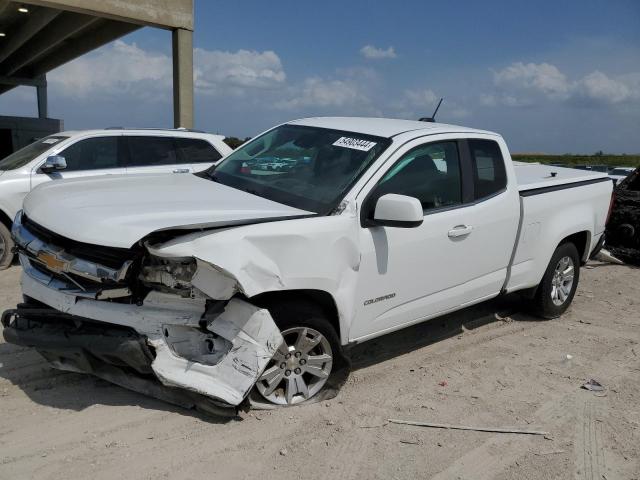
x: 170, y: 275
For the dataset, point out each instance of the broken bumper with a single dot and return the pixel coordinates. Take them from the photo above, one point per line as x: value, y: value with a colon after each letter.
x: 218, y: 352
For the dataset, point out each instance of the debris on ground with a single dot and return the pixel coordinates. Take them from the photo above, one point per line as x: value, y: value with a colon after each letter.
x: 443, y: 383
x: 606, y: 256
x: 467, y: 427
x: 593, y: 386
x: 505, y: 319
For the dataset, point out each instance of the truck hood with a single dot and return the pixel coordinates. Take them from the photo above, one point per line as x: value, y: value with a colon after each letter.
x: 119, y: 210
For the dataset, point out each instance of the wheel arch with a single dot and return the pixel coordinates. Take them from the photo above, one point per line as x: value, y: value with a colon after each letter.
x: 320, y: 299
x: 5, y: 219
x: 582, y: 241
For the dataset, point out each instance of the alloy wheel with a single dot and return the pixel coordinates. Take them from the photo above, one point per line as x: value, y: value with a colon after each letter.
x: 299, y: 369
x: 562, y: 281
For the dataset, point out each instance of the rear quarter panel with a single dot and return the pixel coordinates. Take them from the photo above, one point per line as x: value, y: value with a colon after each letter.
x: 550, y: 217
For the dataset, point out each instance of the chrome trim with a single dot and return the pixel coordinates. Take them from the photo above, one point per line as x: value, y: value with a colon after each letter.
x: 58, y: 261
x: 69, y: 288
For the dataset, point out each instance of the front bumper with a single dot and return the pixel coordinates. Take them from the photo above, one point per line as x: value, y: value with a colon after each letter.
x: 216, y: 349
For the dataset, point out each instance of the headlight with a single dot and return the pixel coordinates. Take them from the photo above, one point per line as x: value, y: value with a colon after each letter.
x: 169, y: 274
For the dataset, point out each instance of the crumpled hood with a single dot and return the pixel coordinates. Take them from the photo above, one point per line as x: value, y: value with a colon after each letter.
x: 119, y: 210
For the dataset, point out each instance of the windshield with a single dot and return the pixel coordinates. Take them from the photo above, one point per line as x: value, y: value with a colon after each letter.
x: 304, y: 167
x: 25, y: 155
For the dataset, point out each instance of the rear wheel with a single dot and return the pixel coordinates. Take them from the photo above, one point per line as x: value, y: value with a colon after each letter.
x: 6, y: 247
x: 559, y: 283
x: 306, y: 359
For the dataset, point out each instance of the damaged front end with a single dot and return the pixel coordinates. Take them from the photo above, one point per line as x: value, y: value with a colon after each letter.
x: 139, y: 318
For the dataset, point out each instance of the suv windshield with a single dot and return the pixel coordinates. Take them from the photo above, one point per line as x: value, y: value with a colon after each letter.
x: 25, y: 155
x: 304, y: 167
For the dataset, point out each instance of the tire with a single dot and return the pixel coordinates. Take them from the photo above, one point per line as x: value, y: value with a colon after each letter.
x: 6, y: 247
x: 290, y: 379
x: 554, y: 293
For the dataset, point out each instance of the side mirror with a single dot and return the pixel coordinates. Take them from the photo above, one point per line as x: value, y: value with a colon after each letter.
x: 54, y: 163
x: 398, y: 211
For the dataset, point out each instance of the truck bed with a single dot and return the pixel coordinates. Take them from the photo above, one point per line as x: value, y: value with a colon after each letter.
x: 532, y: 176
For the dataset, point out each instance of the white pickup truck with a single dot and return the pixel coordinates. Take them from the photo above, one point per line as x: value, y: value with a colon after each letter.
x: 233, y: 284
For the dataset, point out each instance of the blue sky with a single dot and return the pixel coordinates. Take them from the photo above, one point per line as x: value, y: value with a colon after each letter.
x: 551, y: 76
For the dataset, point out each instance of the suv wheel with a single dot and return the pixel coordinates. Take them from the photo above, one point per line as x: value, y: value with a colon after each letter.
x: 6, y: 247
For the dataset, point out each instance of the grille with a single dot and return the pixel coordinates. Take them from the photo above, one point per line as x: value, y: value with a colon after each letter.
x: 108, y: 256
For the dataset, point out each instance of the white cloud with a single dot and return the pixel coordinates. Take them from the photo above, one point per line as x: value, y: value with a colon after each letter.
x: 374, y: 53
x: 543, y: 77
x: 123, y: 68
x: 523, y: 84
x: 599, y: 87
x: 119, y: 68
x: 421, y: 98
x: 244, y: 69
x: 319, y: 92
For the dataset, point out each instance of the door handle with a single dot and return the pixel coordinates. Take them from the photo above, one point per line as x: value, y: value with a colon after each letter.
x: 460, y: 231
x: 181, y: 170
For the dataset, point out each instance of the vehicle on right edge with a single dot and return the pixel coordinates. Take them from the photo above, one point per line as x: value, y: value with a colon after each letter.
x: 618, y: 174
x: 623, y: 228
x: 231, y: 281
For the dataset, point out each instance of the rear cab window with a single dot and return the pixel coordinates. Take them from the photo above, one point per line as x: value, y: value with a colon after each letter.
x: 489, y: 172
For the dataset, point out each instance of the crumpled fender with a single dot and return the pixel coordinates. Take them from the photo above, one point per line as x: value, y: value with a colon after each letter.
x: 254, y: 338
x: 319, y: 253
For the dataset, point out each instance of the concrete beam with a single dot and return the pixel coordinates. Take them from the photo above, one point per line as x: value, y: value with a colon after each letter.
x: 92, y: 39
x: 36, y: 22
x: 3, y: 5
x: 17, y: 81
x: 182, y: 78
x: 169, y: 14
x: 66, y: 25
x: 43, y: 104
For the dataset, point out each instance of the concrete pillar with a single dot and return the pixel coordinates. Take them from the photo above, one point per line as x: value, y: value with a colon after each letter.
x: 182, y: 78
x: 43, y: 106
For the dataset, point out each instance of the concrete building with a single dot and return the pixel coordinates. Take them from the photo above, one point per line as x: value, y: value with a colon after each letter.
x: 37, y: 36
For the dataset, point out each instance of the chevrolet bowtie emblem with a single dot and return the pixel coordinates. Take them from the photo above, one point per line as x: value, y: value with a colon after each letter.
x: 51, y: 261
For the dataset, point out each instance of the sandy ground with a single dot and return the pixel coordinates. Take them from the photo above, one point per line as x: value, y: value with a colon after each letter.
x: 511, y: 372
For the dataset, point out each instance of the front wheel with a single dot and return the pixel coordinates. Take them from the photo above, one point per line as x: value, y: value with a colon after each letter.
x: 559, y: 283
x: 6, y: 247
x: 305, y: 361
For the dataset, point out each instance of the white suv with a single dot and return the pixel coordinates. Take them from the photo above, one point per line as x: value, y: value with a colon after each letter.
x: 98, y: 152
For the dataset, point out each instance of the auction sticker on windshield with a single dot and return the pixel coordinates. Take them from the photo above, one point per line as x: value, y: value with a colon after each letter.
x: 354, y: 143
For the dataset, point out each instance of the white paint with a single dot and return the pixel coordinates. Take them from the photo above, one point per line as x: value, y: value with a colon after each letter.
x: 118, y: 211
x: 399, y: 208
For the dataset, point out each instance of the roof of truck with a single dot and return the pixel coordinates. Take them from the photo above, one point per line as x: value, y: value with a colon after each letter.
x: 383, y: 127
